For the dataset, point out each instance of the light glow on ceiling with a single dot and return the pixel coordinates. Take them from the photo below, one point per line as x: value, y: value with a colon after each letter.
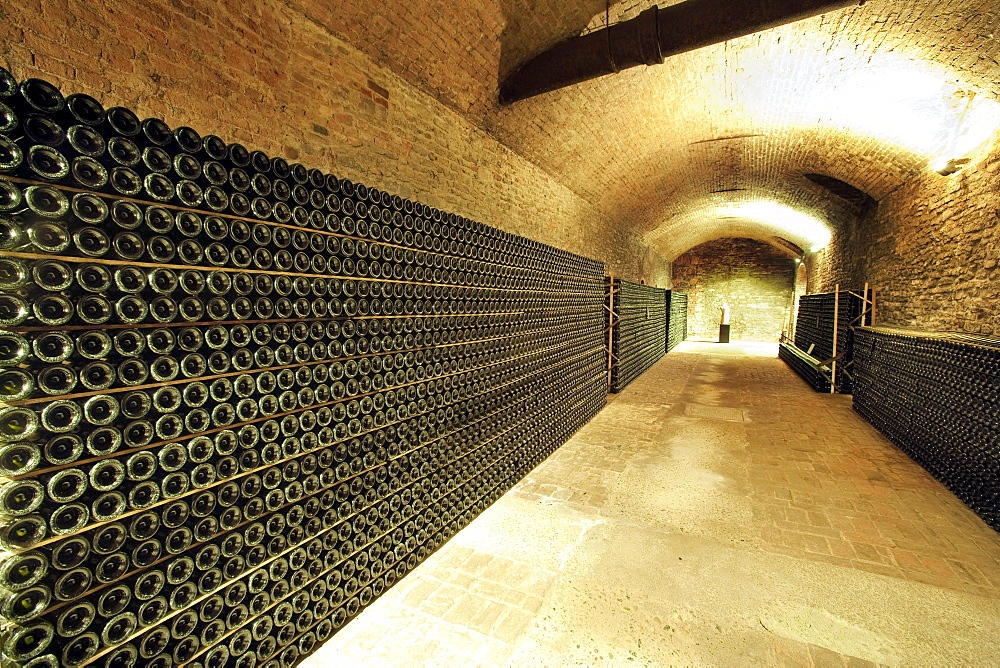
x: 906, y: 105
x: 741, y: 216
x: 976, y: 124
x: 909, y: 103
x: 791, y: 222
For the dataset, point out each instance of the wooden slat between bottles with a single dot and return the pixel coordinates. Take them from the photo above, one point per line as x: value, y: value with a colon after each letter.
x: 305, y: 540
x: 316, y: 622
x: 294, y: 365
x: 202, y: 212
x: 277, y: 416
x: 197, y: 545
x: 78, y: 259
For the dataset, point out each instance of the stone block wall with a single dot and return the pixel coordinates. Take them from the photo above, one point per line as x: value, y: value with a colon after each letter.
x: 272, y: 76
x: 931, y: 249
x: 754, y: 278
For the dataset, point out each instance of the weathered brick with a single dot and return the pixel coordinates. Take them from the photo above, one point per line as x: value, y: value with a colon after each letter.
x: 268, y: 74
x: 755, y: 279
x: 618, y: 168
x: 930, y: 249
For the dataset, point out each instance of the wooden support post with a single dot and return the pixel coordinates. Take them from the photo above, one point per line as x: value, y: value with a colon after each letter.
x: 864, y: 308
x: 836, y: 315
x: 873, y: 306
x: 611, y: 322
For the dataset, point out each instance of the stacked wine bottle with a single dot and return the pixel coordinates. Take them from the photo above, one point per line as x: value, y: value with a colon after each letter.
x: 677, y: 318
x: 806, y: 366
x: 638, y: 336
x: 243, y: 397
x: 935, y: 396
x: 814, y: 333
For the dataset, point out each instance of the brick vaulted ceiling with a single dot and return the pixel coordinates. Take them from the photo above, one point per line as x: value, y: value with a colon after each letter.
x: 870, y: 95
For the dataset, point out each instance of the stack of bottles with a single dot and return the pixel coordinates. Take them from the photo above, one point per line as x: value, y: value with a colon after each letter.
x: 243, y: 397
x: 677, y: 318
x: 805, y: 366
x: 937, y: 397
x: 639, y: 334
x: 814, y: 333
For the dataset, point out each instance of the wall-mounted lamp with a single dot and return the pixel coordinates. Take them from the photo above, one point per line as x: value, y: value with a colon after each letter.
x: 946, y: 167
x: 975, y: 121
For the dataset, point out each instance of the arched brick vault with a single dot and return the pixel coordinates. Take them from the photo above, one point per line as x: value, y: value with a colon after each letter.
x: 639, y: 146
x: 627, y: 169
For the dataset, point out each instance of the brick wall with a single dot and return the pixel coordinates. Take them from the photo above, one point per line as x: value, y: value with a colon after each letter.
x: 402, y: 104
x: 930, y: 250
x: 269, y: 75
x: 754, y: 278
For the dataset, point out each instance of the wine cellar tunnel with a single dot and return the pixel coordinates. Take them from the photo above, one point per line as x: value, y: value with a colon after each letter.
x: 389, y: 333
x: 754, y: 280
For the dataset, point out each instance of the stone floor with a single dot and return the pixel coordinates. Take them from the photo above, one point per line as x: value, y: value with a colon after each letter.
x: 717, y: 512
